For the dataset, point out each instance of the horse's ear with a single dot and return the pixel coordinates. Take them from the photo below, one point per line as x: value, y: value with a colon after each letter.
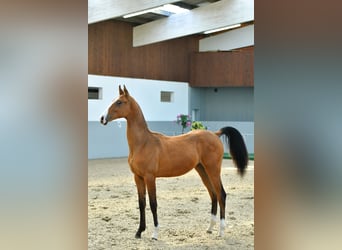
x: 126, y: 91
x: 120, y: 90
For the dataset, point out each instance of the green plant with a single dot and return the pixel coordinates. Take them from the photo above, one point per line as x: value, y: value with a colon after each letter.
x: 197, y: 125
x: 184, y: 121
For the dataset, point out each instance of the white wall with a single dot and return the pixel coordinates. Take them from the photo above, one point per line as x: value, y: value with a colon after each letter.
x: 229, y: 40
x: 145, y: 92
x: 110, y: 141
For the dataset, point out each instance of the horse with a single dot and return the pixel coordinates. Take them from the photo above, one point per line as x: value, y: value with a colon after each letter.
x: 153, y: 155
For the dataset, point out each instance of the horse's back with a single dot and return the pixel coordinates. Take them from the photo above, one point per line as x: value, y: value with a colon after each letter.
x: 199, y: 139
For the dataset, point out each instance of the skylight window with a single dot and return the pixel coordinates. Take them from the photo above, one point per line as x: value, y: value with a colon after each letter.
x: 173, y: 9
x: 167, y: 10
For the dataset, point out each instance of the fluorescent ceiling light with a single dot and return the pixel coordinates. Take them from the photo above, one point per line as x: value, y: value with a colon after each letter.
x: 169, y: 8
x: 223, y: 28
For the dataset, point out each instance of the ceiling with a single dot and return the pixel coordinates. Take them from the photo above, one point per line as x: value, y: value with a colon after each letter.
x: 160, y: 25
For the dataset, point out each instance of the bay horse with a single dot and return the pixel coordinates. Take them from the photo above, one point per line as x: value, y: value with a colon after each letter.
x: 153, y: 155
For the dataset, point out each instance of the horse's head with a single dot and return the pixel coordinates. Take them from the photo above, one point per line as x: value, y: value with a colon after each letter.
x: 119, y: 108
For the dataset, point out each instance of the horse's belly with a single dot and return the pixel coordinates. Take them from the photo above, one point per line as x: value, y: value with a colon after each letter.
x: 172, y: 169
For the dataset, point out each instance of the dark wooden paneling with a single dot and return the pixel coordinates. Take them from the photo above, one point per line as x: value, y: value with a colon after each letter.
x: 110, y: 52
x: 217, y: 69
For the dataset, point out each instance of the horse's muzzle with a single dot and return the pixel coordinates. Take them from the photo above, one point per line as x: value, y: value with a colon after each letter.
x: 103, y: 120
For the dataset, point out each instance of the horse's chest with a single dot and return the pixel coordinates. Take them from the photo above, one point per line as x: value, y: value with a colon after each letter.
x: 138, y: 165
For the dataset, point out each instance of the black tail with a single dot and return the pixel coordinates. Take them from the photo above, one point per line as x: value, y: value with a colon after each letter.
x: 237, y: 147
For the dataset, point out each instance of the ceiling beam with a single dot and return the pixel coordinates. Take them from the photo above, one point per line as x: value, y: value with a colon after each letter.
x: 101, y: 10
x: 212, y: 16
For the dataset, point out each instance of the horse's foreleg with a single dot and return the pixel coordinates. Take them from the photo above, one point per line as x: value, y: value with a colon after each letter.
x: 142, y: 204
x: 151, y: 188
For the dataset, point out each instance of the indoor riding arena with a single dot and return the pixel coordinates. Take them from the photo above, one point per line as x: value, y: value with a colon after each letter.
x: 171, y: 124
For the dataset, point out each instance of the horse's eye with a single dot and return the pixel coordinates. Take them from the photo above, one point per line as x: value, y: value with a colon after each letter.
x: 119, y: 102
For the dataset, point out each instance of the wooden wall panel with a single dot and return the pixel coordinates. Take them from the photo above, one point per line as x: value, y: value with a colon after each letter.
x: 110, y: 52
x: 223, y: 68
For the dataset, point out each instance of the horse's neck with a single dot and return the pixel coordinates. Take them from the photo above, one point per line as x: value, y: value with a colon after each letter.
x: 137, y: 130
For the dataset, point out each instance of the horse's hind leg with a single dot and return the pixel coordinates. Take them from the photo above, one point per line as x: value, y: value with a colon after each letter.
x: 205, y: 179
x: 222, y: 203
x: 217, y: 184
x: 213, y: 172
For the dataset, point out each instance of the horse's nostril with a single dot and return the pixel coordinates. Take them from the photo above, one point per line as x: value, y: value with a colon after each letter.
x: 103, y: 120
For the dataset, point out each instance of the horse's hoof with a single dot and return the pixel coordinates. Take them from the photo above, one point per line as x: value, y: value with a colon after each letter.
x: 138, y: 236
x: 154, y: 238
x: 209, y: 231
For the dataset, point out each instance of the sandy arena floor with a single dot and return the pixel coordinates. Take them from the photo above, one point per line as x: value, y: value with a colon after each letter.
x: 183, y: 210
